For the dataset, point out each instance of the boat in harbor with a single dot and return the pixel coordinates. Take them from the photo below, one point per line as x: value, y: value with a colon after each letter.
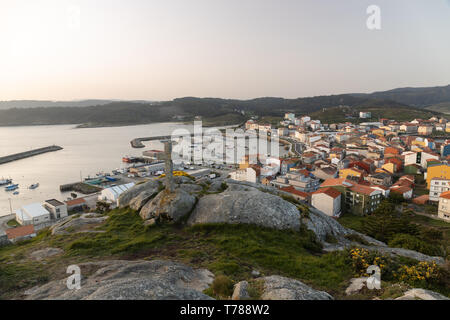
x: 12, y: 187
x: 15, y: 193
x: 5, y: 182
x: 34, y: 186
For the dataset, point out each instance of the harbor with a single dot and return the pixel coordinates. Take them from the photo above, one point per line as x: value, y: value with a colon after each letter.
x: 27, y: 154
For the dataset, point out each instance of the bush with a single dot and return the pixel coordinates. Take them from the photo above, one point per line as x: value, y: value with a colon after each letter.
x: 411, y: 242
x: 222, y: 286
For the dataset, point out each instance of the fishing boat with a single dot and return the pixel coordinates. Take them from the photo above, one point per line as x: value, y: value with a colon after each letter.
x: 15, y: 193
x: 34, y: 186
x: 5, y: 182
x: 12, y: 187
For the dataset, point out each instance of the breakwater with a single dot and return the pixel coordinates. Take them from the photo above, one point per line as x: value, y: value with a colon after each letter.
x: 27, y: 154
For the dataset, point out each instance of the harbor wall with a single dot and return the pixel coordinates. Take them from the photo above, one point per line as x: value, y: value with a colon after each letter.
x: 27, y: 154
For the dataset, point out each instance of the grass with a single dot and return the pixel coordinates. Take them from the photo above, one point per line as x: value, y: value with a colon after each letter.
x: 13, y: 223
x: 230, y: 250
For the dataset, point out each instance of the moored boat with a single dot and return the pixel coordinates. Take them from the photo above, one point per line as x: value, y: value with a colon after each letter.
x: 12, y: 187
x: 34, y: 186
x: 5, y: 181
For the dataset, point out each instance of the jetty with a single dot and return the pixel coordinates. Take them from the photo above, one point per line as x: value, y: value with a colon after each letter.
x: 27, y: 154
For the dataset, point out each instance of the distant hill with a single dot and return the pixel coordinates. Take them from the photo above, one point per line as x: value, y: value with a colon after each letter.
x: 213, y: 110
x: 417, y: 97
x: 47, y: 103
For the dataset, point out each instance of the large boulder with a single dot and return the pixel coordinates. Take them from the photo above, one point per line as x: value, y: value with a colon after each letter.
x: 149, y: 187
x: 130, y: 280
x: 281, y: 288
x: 76, y: 224
x: 251, y: 207
x: 170, y: 206
x: 422, y: 294
x: 142, y: 198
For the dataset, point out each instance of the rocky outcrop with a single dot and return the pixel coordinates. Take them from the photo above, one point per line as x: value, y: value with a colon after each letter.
x: 45, y: 253
x: 131, y: 280
x: 422, y: 294
x: 190, y: 188
x: 77, y: 224
x: 393, y: 252
x: 142, y: 198
x: 356, y: 285
x: 240, y: 291
x: 281, y: 288
x: 251, y: 207
x: 169, y: 206
x: 148, y: 187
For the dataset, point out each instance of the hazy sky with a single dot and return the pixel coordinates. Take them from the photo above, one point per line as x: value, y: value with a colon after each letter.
x: 163, y: 49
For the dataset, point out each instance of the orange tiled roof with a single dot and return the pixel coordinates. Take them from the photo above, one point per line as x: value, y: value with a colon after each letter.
x: 328, y: 191
x: 19, y: 231
x: 445, y: 195
x: 292, y: 190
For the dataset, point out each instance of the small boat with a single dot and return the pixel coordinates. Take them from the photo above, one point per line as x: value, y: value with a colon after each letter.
x: 15, y: 193
x: 74, y: 195
x: 34, y: 186
x: 5, y: 182
x: 12, y: 187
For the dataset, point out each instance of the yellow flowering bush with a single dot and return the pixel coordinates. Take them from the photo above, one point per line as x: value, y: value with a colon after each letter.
x: 362, y: 259
x: 422, y: 271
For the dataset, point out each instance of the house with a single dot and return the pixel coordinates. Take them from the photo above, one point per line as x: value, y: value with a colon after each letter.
x: 438, y: 186
x: 112, y: 194
x: 425, y: 130
x: 406, y: 192
x: 365, y: 115
x: 352, y: 172
x: 437, y: 171
x: 76, y: 204
x: 56, y: 208
x: 250, y: 174
x: 444, y: 206
x: 380, y: 178
x: 297, y: 194
x: 20, y: 233
x: 327, y: 200
x: 325, y: 173
x: 32, y: 214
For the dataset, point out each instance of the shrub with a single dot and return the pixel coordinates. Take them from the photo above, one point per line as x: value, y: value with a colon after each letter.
x: 411, y: 242
x: 423, y: 271
x: 222, y: 286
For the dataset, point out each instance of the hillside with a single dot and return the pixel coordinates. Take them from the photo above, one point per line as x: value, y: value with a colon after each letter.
x: 416, y: 97
x: 121, y: 240
x: 345, y: 114
x: 214, y: 111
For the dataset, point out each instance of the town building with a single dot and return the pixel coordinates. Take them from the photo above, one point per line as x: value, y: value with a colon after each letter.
x: 32, y: 214
x: 437, y: 187
x: 56, y: 208
x: 444, y: 206
x: 112, y: 194
x: 327, y: 200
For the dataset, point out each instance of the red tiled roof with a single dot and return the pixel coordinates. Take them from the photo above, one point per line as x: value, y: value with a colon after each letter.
x: 19, y: 231
x: 335, y: 182
x: 328, y: 191
x: 362, y: 189
x: 445, y: 195
x: 74, y: 202
x: 292, y: 190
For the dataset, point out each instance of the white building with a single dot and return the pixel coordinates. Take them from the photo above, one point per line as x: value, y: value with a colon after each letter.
x: 327, y: 200
x: 290, y: 117
x: 444, y: 206
x: 112, y: 194
x: 34, y: 213
x: 249, y: 174
x: 56, y: 208
x: 438, y: 186
x: 365, y: 115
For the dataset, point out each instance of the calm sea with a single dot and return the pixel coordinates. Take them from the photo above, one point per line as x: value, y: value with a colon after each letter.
x: 86, y: 152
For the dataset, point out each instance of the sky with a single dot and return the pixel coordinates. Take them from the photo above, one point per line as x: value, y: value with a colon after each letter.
x: 164, y: 49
